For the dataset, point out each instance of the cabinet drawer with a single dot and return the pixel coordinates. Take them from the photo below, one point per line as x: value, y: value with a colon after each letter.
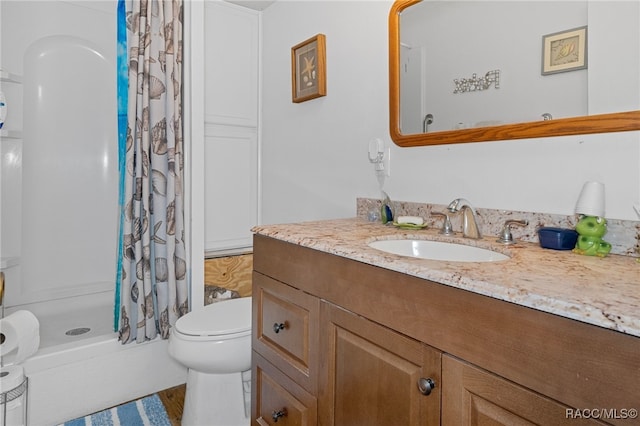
x: 278, y: 400
x: 285, y: 324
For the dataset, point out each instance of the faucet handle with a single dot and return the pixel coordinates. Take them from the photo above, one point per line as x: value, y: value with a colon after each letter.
x: 505, y: 235
x: 447, y: 228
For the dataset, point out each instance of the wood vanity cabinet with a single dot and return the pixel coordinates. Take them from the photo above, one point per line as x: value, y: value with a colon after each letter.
x: 339, y: 342
x: 365, y: 374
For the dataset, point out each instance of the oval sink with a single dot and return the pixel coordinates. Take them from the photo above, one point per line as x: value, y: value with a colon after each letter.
x: 438, y: 250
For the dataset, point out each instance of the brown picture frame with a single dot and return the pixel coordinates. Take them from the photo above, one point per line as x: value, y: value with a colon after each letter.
x: 308, y: 69
x: 564, y: 51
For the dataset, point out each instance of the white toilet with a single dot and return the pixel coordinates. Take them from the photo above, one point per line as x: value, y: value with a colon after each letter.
x: 214, y: 343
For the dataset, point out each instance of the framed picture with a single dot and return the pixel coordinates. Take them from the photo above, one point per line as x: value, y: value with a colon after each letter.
x: 564, y: 51
x: 308, y: 69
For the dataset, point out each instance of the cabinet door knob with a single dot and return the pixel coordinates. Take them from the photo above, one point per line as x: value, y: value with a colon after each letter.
x: 277, y: 327
x: 426, y: 385
x: 277, y: 414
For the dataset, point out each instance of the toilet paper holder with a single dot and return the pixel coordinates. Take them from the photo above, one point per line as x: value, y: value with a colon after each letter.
x: 14, y: 393
x: 13, y: 402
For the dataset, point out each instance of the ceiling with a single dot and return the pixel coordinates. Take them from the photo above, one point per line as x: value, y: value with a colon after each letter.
x: 253, y: 4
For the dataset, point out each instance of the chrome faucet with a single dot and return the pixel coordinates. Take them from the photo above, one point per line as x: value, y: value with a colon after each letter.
x: 469, y: 220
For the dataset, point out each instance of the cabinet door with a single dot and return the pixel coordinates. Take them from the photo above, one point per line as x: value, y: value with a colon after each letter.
x: 471, y: 396
x: 370, y: 374
x: 232, y: 39
x: 231, y: 186
x: 277, y: 399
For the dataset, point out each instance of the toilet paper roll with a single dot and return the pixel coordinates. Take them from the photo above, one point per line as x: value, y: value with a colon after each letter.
x: 11, y: 376
x: 21, y: 331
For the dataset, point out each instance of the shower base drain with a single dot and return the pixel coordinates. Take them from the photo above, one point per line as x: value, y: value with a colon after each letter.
x: 77, y: 331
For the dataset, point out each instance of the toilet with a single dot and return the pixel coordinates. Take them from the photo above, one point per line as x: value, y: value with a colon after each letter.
x: 214, y: 343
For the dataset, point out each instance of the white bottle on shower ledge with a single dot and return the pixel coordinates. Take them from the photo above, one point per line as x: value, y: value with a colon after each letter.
x: 3, y: 109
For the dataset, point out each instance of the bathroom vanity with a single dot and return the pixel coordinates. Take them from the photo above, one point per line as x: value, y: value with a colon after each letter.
x: 344, y: 334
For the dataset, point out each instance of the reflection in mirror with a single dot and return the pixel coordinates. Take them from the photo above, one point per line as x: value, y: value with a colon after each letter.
x: 493, y: 41
x: 465, y: 71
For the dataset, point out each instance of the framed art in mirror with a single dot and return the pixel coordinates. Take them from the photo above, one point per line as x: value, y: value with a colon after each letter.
x: 564, y: 51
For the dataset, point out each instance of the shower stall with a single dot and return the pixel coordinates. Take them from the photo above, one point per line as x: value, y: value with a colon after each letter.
x: 59, y: 207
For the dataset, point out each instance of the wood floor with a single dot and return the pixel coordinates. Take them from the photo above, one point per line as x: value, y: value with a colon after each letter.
x: 173, y: 400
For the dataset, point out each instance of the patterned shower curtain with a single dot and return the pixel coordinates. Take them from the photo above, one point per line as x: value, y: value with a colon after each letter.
x: 152, y: 275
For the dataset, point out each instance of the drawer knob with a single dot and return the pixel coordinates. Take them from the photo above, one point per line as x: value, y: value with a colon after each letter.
x: 426, y: 385
x: 277, y: 327
x: 277, y: 414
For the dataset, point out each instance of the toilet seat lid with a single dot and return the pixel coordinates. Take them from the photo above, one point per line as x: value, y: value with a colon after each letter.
x: 231, y: 316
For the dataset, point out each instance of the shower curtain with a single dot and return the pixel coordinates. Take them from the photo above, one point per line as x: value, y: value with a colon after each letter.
x: 152, y: 291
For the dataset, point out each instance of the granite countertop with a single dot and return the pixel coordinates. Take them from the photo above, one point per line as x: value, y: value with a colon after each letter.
x: 599, y: 291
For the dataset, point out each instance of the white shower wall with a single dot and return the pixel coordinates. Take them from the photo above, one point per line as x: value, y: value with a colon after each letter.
x: 60, y: 176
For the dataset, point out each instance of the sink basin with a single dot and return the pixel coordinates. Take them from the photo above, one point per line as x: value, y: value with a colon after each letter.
x: 438, y: 250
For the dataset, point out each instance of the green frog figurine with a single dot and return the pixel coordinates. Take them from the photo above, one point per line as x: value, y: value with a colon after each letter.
x: 591, y: 229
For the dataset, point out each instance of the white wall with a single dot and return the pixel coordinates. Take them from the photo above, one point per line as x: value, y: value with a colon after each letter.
x: 314, y: 162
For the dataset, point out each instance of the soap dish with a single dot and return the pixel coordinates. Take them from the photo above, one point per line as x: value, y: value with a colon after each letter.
x: 409, y: 225
x: 557, y: 238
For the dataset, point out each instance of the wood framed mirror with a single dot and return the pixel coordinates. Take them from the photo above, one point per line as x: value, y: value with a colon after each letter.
x: 600, y: 123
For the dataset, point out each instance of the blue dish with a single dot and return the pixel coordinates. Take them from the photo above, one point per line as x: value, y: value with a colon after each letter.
x: 557, y: 238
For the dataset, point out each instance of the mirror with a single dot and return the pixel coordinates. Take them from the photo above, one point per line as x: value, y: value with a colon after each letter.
x: 490, y: 130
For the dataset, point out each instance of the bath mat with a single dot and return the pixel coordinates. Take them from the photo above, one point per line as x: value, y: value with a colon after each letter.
x: 147, y: 411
